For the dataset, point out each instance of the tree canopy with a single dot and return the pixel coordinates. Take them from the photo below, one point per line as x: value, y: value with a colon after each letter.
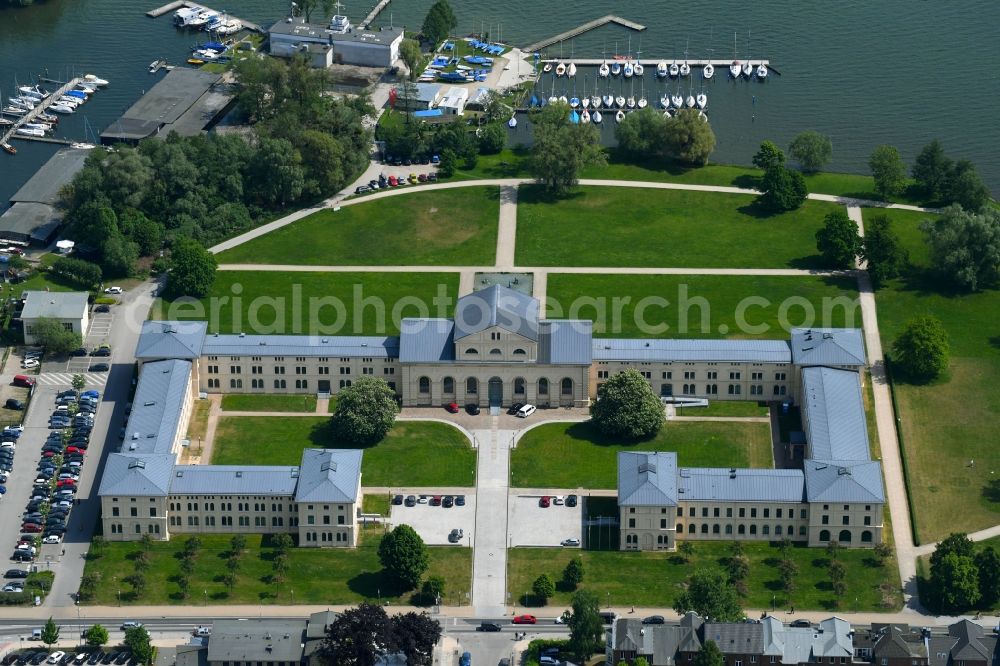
x: 921, y: 351
x: 782, y: 189
x: 365, y: 411
x: 543, y: 588
x: 941, y: 178
x: 709, y: 594
x: 709, y: 655
x: 137, y: 640
x: 51, y: 334
x: 50, y: 632
x: 838, y: 240
x: 888, y: 170
x: 627, y: 408
x: 192, y: 269
x: 84, y: 273
x: 931, y: 170
x: 439, y: 22
x: 811, y: 150
x: 965, y: 246
x: 768, y: 156
x: 415, y: 635
x: 409, y: 51
x: 686, y: 138
x: 882, y: 250
x: 358, y: 637
x: 561, y: 148
x: 586, y: 631
x: 403, y: 554
x: 96, y: 636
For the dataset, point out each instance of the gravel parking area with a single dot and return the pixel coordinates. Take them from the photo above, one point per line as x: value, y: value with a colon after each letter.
x: 434, y: 523
x: 533, y: 525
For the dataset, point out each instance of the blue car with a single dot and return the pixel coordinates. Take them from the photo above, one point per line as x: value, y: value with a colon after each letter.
x: 3, y: 490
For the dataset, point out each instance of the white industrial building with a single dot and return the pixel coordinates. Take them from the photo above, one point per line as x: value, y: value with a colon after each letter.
x: 69, y: 308
x: 339, y: 43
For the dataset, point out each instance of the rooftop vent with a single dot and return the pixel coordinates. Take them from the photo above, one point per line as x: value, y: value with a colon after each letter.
x: 295, y: 472
x: 807, y: 348
x: 828, y: 336
x: 262, y: 343
x: 647, y: 344
x: 180, y: 473
x: 364, y: 344
x: 732, y: 473
x: 332, y: 466
x: 137, y: 464
x: 135, y: 435
x: 239, y: 475
x: 149, y: 403
x: 841, y: 471
x: 685, y: 473
x: 242, y: 334
x: 287, y: 636
x: 647, y: 468
x: 267, y: 636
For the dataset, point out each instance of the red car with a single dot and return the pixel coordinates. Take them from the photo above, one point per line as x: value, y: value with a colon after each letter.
x: 544, y: 501
x: 31, y: 527
x: 524, y: 619
x: 393, y: 182
x: 65, y: 482
x: 452, y: 407
x: 48, y: 454
x: 75, y: 449
x: 436, y: 500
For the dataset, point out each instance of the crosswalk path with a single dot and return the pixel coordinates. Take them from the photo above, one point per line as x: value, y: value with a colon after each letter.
x: 66, y: 379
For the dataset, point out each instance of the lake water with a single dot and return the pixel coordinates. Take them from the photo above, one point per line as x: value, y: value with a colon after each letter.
x: 865, y: 73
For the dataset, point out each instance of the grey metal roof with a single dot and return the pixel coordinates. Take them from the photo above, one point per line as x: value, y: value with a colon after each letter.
x: 27, y: 221
x: 58, y: 171
x: 137, y: 476
x: 301, y: 345
x: 740, y: 485
x: 565, y: 341
x: 647, y: 478
x: 171, y: 339
x: 735, y: 637
x: 833, y: 414
x: 156, y: 407
x: 802, y: 645
x: 844, y: 481
x: 496, y: 306
x: 255, y: 640
x: 828, y: 346
x: 233, y: 480
x: 162, y: 104
x: 668, y: 350
x: 329, y: 475
x: 426, y: 340
x: 55, y: 305
x: 658, y: 642
x: 971, y: 642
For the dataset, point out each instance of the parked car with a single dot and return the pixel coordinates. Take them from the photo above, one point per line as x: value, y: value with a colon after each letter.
x: 544, y: 501
x: 14, y: 403
x: 99, y: 367
x: 432, y: 178
x: 410, y: 500
x: 525, y: 411
x: 654, y: 619
x: 56, y: 656
x: 13, y: 587
x: 362, y: 189
x: 113, y: 290
x: 570, y: 542
x: 15, y: 573
x: 436, y: 500
x: 472, y: 409
x: 23, y: 381
x: 487, y: 626
x: 514, y: 407
x: 101, y: 352
x: 397, y: 499
x: 459, y: 500
x: 448, y: 501
x: 456, y: 535
x: 452, y: 407
x: 80, y: 351
x: 558, y: 500
x: 103, y: 307
x: 570, y: 500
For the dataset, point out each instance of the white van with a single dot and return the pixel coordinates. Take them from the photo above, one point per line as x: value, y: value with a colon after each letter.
x: 526, y: 411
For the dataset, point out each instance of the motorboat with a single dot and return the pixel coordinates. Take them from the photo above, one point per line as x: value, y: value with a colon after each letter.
x: 89, y: 88
x: 33, y: 91
x: 608, y: 100
x: 585, y: 102
x: 512, y: 123
x: 571, y: 70
x: 195, y: 61
x: 641, y: 103
x: 638, y: 68
x: 28, y: 131
x: 620, y: 116
x: 665, y: 101
x: 661, y: 69
x: 689, y: 101
x: 620, y: 101
x: 62, y: 108
x: 185, y: 15
x: 761, y: 71
x: 229, y: 27
x: 560, y: 69
x: 585, y: 117
x: 547, y: 68
x: 202, y: 19
x: 597, y: 118
x: 630, y: 102
x: 9, y: 148
x: 69, y: 101
x: 574, y: 102
x: 674, y: 70
x: 701, y: 100
x: 704, y: 118
x: 735, y: 69
x: 595, y: 102
x: 747, y: 69
x: 708, y: 71
x: 668, y: 114
x: 45, y: 127
x: 563, y: 100
x: 553, y: 100
x: 77, y: 93
x: 603, y: 70
x: 685, y: 69
x: 23, y: 101
x: 47, y: 117
x: 616, y: 68
x: 14, y: 110
x: 628, y: 70
x: 90, y: 78
x: 5, y: 121
x: 83, y: 146
x: 677, y: 100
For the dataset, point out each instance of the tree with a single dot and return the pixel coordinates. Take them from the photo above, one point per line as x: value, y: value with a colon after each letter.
x: 138, y: 583
x: 627, y: 408
x: 921, y: 351
x: 689, y: 138
x: 275, y: 174
x: 50, y: 633
x: 192, y: 269
x: 787, y: 570
x: 96, y: 636
x: 882, y: 552
x: 415, y: 635
x: 146, y: 543
x: 966, y: 188
x: 495, y: 109
x: 403, y: 554
x: 492, y: 138
x: 586, y: 631
x: 438, y: 23
x: 358, y: 637
x: 432, y: 589
x: 118, y: 256
x: 958, y: 543
x: 955, y: 580
x: 88, y: 583
x: 409, y: 51
x: 282, y: 542
x: 79, y: 382
x: 137, y: 641
x: 686, y: 551
x: 561, y: 149
x: 83, y: 273
x: 365, y: 412
x: 640, y: 134
x: 709, y: 655
x: 141, y: 561
x: 573, y: 573
x: 192, y: 545
x: 882, y: 250
x: 782, y: 190
x: 640, y: 661
x: 988, y: 563
x: 280, y: 566
x: 184, y: 586
x: 739, y: 568
x: 888, y: 171
x: 237, y: 545
x: 51, y: 334
x: 838, y: 240
x: 931, y: 170
x: 709, y: 594
x: 543, y: 588
x: 768, y: 156
x: 811, y: 150
x: 449, y: 162
x: 965, y: 246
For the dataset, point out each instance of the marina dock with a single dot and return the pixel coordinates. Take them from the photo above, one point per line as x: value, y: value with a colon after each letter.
x: 580, y: 29
x: 373, y: 14
x: 647, y: 62
x: 11, y: 130
x: 177, y: 4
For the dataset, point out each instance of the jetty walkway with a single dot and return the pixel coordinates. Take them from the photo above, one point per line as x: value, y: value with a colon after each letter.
x: 11, y: 130
x: 580, y: 29
x: 177, y: 4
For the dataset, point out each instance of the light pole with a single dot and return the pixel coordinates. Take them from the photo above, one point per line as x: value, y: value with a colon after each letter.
x: 206, y: 597
x: 772, y: 603
x: 293, y: 595
x: 119, y: 598
x: 79, y: 624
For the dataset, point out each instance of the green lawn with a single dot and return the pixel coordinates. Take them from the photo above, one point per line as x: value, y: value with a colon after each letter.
x: 725, y: 408
x: 267, y: 302
x: 654, y: 579
x: 376, y: 503
x: 576, y: 455
x: 236, y: 402
x: 314, y: 575
x: 650, y: 227
x: 702, y: 306
x: 412, y: 454
x: 906, y: 223
x: 434, y: 228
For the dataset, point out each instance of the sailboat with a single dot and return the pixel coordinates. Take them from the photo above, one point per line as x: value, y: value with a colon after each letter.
x: 665, y: 101
x: 708, y: 71
x: 674, y: 70
x: 761, y: 71
x: 560, y: 69
x: 701, y: 100
x: 571, y: 70
x: 620, y: 99
x: 689, y: 101
x: 603, y: 70
x: 735, y: 69
x: 677, y: 100
x: 9, y: 148
x: 574, y: 117
x: 704, y: 118
x: 668, y: 114
x: 661, y: 69
x: 585, y: 117
x: 616, y: 68
x: 552, y: 97
x: 747, y: 67
x: 547, y: 68
x: 641, y: 103
x: 597, y: 117
x: 620, y: 116
x: 584, y: 100
x: 628, y: 70
x: 638, y: 69
x: 512, y: 123
x: 608, y: 100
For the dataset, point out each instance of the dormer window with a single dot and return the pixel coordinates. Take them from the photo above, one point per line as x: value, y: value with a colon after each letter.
x: 495, y: 352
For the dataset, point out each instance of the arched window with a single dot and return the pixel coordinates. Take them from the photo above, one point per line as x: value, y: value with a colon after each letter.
x: 680, y: 527
x: 729, y: 529
x: 691, y: 528
x: 753, y: 529
x: 543, y: 386
x: 715, y: 528
x: 449, y: 385
x: 845, y: 536
x: 495, y: 352
x: 425, y: 385
x: 704, y: 528
x: 824, y: 536
x: 766, y: 530
x: 791, y: 530
x: 520, y: 352
x: 567, y: 386
x: 471, y: 385
x: 777, y: 530
x: 866, y: 536
x: 471, y: 350
x: 519, y: 386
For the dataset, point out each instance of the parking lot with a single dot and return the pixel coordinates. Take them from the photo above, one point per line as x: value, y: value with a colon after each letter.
x: 533, y: 525
x: 434, y: 523
x: 98, y: 333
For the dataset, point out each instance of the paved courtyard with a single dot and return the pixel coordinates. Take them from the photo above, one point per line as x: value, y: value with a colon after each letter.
x: 434, y: 523
x: 532, y: 525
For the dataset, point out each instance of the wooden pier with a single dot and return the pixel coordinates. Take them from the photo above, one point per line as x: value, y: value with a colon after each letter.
x: 373, y: 14
x: 580, y: 29
x: 11, y: 130
x: 651, y: 64
x: 177, y: 4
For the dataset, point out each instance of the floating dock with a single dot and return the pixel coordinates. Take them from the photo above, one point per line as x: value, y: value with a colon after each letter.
x: 580, y: 29
x: 373, y: 14
x: 11, y: 130
x: 177, y: 4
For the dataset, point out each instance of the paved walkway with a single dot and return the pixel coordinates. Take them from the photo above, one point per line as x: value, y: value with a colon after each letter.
x: 507, y: 231
x: 537, y: 270
x: 489, y: 557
